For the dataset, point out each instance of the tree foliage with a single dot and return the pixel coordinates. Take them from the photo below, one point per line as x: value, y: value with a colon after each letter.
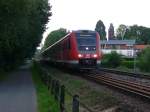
x: 144, y: 60
x: 111, y: 60
x: 121, y: 30
x: 100, y: 28
x: 22, y: 23
x: 54, y: 36
x: 133, y: 32
x: 139, y: 33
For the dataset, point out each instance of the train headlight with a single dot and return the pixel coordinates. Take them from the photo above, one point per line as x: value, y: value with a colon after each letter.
x: 80, y: 55
x: 95, y: 55
x: 87, y: 48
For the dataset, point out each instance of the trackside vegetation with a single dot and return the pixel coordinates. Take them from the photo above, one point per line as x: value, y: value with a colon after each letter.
x: 111, y: 60
x: 95, y: 99
x: 114, y: 60
x: 46, y: 102
x: 144, y: 60
x: 2, y: 75
x: 22, y: 23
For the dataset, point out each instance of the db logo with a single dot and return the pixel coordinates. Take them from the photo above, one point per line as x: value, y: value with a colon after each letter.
x: 87, y: 56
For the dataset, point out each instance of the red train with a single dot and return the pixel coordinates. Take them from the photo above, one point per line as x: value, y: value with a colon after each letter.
x: 79, y: 49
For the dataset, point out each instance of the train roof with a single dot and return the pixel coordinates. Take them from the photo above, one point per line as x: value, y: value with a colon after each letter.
x: 84, y: 31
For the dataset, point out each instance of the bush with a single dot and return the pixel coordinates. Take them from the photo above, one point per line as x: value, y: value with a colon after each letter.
x: 111, y: 60
x: 144, y: 60
x: 128, y: 64
x: 128, y: 59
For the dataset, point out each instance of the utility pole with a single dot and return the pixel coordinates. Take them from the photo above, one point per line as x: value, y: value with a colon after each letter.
x: 134, y: 59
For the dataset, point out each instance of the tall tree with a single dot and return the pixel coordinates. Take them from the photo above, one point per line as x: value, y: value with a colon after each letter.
x: 131, y: 32
x: 139, y: 33
x: 121, y: 30
x: 22, y: 23
x: 100, y: 28
x: 54, y: 36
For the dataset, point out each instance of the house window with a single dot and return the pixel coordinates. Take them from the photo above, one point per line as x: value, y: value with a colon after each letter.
x: 129, y: 53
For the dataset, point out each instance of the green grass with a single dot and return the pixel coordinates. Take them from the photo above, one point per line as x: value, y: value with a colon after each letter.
x: 3, y: 75
x: 46, y: 102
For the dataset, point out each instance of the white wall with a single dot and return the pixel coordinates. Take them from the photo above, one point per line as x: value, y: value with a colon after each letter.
x: 125, y: 52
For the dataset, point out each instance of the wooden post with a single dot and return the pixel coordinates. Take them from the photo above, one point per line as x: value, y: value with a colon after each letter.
x: 75, y: 103
x: 46, y: 79
x: 57, y: 90
x: 53, y: 86
x: 62, y: 99
x: 49, y: 82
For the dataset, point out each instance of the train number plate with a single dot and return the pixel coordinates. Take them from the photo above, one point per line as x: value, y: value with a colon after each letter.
x: 87, y: 56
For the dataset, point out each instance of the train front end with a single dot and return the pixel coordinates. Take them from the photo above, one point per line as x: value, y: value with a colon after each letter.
x: 88, y: 49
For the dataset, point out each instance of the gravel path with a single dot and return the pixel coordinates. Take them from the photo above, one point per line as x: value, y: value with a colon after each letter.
x: 17, y: 93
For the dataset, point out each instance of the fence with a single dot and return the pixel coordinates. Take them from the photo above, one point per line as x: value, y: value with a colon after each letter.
x: 61, y: 94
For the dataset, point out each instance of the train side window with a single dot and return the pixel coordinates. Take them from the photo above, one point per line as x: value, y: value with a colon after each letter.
x: 69, y: 46
x: 63, y: 46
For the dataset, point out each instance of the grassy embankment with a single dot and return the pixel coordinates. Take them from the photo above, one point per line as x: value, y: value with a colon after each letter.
x: 3, y: 75
x: 93, y: 98
x: 46, y: 102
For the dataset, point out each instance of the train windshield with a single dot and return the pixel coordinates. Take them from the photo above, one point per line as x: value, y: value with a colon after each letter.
x: 86, y: 42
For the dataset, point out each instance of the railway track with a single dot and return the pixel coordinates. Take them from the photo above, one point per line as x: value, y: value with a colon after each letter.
x: 131, y: 87
x: 132, y: 74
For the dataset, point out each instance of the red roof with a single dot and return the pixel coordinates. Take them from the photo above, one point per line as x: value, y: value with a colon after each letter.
x: 141, y: 46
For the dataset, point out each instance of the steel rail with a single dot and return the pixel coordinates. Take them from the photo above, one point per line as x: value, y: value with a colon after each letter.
x: 128, y: 86
x: 119, y: 72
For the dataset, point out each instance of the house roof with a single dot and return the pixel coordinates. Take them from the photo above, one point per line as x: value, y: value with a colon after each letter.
x: 119, y: 42
x: 141, y: 46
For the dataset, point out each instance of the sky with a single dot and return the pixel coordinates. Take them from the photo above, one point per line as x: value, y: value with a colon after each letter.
x: 84, y: 14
